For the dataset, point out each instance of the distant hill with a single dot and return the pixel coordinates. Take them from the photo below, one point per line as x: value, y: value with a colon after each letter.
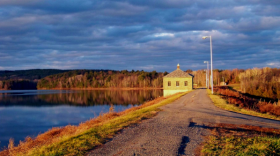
x: 31, y: 74
x: 24, y: 79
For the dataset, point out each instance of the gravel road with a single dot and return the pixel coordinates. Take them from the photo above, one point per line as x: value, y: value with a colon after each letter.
x: 177, y: 130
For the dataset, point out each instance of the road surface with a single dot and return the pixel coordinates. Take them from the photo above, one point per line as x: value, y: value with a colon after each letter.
x: 177, y: 130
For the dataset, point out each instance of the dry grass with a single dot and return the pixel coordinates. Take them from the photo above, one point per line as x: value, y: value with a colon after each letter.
x: 237, y: 102
x: 224, y: 129
x: 232, y: 140
x: 56, y: 138
x: 236, y: 87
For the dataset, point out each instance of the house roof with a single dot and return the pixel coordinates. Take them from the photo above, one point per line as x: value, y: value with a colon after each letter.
x: 178, y: 73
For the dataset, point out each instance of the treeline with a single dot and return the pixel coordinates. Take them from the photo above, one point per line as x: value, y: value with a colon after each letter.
x: 227, y: 76
x: 263, y: 82
x: 32, y: 74
x: 17, y: 84
x: 24, y: 79
x: 102, y: 79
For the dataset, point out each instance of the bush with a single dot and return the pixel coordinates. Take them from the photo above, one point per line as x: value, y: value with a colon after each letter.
x: 243, y: 101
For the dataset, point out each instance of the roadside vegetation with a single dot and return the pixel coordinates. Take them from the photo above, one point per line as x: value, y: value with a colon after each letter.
x: 229, y: 76
x: 227, y: 99
x: 263, y: 82
x: 77, y: 140
x: 232, y: 140
x: 260, y: 82
x: 235, y: 87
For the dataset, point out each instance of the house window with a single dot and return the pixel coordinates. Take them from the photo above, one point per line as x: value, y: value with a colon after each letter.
x: 177, y: 83
x: 169, y: 83
x: 186, y: 83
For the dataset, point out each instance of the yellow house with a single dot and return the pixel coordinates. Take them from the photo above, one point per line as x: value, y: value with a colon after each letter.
x: 177, y: 81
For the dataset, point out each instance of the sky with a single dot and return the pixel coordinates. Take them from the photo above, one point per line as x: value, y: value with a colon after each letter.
x: 138, y: 34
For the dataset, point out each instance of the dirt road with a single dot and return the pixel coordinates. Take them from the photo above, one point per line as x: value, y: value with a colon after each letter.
x: 177, y: 130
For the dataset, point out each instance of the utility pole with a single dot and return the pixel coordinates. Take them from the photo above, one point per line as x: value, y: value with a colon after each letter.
x: 204, y: 37
x: 205, y: 78
x: 207, y: 73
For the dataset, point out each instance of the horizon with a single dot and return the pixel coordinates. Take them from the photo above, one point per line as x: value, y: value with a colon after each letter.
x: 137, y: 70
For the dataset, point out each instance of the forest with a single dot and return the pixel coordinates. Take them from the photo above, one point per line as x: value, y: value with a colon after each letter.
x: 127, y: 79
x: 262, y: 82
x: 17, y: 84
x: 102, y: 79
x: 31, y: 75
x: 229, y: 76
x: 25, y: 79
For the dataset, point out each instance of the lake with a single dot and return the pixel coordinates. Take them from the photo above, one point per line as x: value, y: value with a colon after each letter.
x: 31, y: 112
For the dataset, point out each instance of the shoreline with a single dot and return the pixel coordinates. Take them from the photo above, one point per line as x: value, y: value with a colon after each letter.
x: 89, y: 134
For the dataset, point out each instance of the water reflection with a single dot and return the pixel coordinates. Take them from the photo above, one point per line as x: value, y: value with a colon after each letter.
x: 28, y: 113
x: 78, y: 98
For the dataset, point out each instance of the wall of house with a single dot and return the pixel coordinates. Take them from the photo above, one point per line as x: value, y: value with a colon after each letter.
x: 181, y: 83
x: 169, y: 90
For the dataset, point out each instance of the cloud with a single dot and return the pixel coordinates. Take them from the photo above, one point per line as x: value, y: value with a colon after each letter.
x: 164, y: 35
x: 274, y: 64
x: 134, y: 34
x: 16, y: 2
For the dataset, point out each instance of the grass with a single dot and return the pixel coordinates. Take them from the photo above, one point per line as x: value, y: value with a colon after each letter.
x: 249, y: 141
x: 78, y: 140
x: 236, y: 87
x: 222, y: 103
x: 240, y: 140
x: 233, y: 146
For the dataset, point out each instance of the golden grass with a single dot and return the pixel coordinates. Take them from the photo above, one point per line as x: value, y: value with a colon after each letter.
x: 236, y: 87
x: 77, y: 140
x: 221, y: 103
x: 232, y: 140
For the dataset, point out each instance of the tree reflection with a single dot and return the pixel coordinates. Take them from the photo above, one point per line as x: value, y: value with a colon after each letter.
x: 82, y: 98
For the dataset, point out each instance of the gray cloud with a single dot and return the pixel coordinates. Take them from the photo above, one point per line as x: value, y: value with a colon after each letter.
x: 134, y: 34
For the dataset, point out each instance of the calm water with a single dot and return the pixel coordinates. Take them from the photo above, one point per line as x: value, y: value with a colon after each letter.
x: 31, y: 112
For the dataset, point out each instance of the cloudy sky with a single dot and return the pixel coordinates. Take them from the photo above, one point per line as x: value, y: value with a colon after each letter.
x: 138, y: 34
